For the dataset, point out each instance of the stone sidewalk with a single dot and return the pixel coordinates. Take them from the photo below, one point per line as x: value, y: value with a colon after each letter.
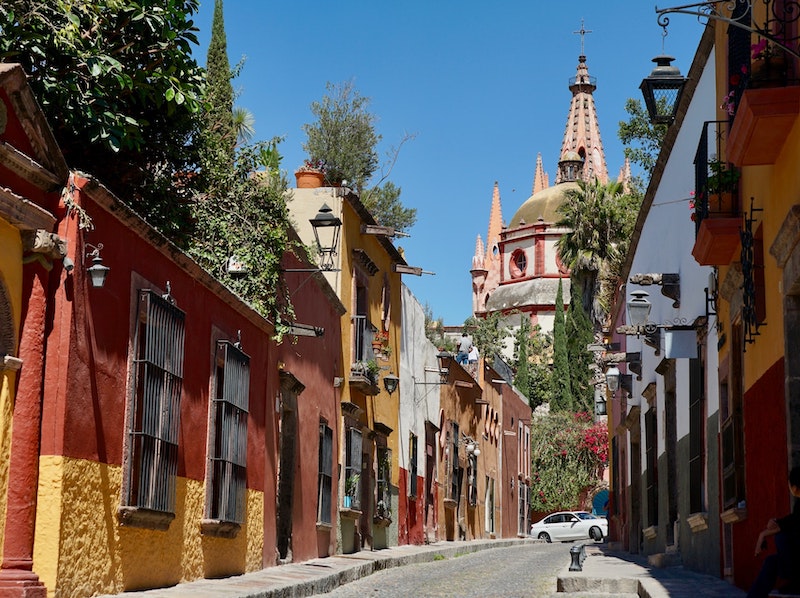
x: 605, y: 573
x: 613, y: 573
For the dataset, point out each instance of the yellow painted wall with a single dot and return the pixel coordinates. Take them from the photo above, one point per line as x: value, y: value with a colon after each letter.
x: 774, y: 189
x: 11, y: 279
x: 80, y: 549
x: 382, y: 407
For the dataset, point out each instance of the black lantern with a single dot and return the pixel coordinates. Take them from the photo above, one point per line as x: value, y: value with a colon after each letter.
x: 390, y: 383
x: 600, y: 406
x: 326, y: 245
x: 662, y: 90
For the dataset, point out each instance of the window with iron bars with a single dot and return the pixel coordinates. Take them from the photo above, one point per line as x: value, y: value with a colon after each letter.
x: 453, y: 474
x: 325, y: 483
x: 384, y: 496
x: 651, y: 475
x: 697, y: 436
x: 412, y: 465
x: 352, y: 468
x: 148, y: 497
x: 227, y: 484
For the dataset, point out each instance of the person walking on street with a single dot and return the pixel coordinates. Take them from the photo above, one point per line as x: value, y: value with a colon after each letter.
x: 464, y: 346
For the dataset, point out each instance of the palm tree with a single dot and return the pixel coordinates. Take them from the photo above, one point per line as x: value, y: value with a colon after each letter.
x: 243, y: 125
x: 600, y: 218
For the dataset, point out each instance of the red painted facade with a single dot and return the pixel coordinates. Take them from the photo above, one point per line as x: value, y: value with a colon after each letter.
x: 766, y: 464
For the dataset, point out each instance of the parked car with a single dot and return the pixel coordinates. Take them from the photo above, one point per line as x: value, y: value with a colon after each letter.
x: 570, y: 525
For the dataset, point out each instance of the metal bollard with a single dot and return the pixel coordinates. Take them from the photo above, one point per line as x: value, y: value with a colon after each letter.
x: 575, y: 558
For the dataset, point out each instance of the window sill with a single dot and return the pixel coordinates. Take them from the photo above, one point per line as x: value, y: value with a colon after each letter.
x: 382, y: 521
x: 449, y: 503
x: 348, y: 513
x: 219, y: 529
x: 324, y: 527
x: 733, y: 515
x: 698, y: 522
x: 650, y: 532
x: 144, y: 518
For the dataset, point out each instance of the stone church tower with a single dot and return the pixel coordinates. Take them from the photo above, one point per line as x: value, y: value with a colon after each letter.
x: 518, y: 268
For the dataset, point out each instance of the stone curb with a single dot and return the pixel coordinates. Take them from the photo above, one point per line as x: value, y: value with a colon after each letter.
x: 320, y: 575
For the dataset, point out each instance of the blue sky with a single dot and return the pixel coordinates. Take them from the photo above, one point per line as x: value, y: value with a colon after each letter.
x: 482, y: 86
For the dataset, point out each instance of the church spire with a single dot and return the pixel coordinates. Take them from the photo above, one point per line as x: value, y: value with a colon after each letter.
x: 582, y: 145
x: 540, y: 178
x: 625, y: 176
x: 495, y: 224
x: 478, y: 258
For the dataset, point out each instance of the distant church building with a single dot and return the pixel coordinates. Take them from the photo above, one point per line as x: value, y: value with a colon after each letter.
x: 518, y: 268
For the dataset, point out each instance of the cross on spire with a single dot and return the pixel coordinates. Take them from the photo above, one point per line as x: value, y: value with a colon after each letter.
x: 582, y: 31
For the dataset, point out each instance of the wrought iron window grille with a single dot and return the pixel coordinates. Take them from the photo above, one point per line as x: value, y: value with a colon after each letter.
x: 750, y: 319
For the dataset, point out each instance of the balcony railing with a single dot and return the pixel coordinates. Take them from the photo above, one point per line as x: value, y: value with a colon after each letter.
x: 716, y: 180
x: 362, y: 339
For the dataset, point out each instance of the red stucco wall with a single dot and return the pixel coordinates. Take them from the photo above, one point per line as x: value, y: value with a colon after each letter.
x: 315, y: 362
x: 766, y: 467
x: 411, y: 523
x: 86, y: 378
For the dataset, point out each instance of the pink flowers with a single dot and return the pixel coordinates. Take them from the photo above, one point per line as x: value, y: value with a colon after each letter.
x: 760, y: 49
x: 729, y: 103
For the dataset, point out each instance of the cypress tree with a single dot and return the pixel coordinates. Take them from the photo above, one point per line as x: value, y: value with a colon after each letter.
x: 219, y: 131
x: 579, y: 334
x: 562, y: 392
x: 522, y: 341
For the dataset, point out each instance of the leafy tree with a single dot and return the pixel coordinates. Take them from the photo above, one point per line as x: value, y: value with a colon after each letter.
x: 488, y: 334
x: 385, y: 206
x: 121, y: 91
x: 344, y: 139
x: 343, y: 136
x: 579, y: 334
x: 562, y: 392
x: 241, y: 210
x: 568, y: 452
x: 434, y: 330
x: 244, y: 215
x: 541, y: 370
x: 641, y: 138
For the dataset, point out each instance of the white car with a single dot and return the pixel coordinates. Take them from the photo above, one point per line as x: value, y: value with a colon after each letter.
x: 570, y: 525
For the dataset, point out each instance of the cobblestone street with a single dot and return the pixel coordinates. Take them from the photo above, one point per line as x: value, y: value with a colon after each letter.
x: 528, y: 570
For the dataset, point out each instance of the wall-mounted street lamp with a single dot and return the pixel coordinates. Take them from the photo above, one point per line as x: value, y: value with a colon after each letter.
x: 326, y: 228
x: 662, y: 90
x: 639, y: 309
x: 390, y: 383
x: 612, y: 378
x: 442, y: 370
x: 470, y: 446
x: 98, y: 271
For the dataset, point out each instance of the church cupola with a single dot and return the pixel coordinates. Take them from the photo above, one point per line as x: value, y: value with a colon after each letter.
x: 570, y: 167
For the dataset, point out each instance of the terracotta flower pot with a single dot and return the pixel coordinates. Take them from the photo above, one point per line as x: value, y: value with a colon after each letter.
x: 309, y: 179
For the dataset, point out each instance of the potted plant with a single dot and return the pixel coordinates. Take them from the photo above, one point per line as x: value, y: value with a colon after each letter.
x: 722, y: 177
x: 350, y: 489
x: 768, y: 65
x: 311, y: 174
x: 380, y: 343
x: 373, y: 370
x: 383, y: 514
